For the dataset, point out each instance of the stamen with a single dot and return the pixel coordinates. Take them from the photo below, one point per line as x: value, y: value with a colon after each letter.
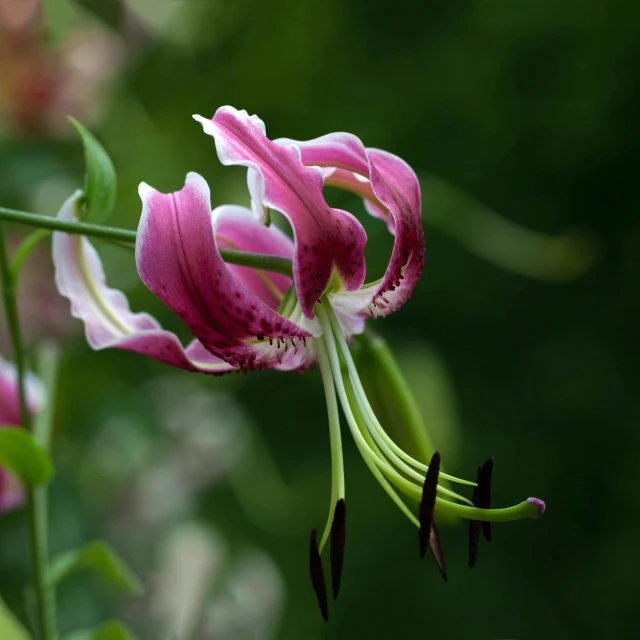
x: 317, y: 575
x: 377, y: 474
x: 485, y: 494
x: 383, y: 442
x: 338, y: 541
x: 428, y: 503
x: 438, y: 553
x: 474, y: 528
x: 337, y: 466
x: 336, y: 362
x: 396, y: 454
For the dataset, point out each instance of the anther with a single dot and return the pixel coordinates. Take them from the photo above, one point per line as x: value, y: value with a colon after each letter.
x: 338, y: 541
x: 485, y: 494
x: 474, y: 526
x: 438, y: 553
x: 428, y: 503
x: 317, y: 575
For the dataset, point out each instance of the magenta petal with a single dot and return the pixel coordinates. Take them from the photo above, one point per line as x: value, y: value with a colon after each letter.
x: 392, y: 193
x: 178, y: 259
x: 328, y: 240
x: 9, y: 399
x: 105, y: 312
x: 237, y: 228
x: 361, y: 186
x: 11, y: 492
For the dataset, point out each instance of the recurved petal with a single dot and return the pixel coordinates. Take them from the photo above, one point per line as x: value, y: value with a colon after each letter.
x: 392, y: 193
x: 105, y: 312
x: 178, y: 259
x: 356, y: 183
x: 328, y: 241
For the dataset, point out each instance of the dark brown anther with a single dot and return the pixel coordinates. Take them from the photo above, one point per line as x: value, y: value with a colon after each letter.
x: 438, y: 553
x: 485, y: 494
x: 474, y: 526
x: 317, y: 575
x: 338, y: 541
x: 428, y: 503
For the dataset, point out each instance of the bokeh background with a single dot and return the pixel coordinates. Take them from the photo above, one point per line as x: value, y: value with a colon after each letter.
x: 521, y: 119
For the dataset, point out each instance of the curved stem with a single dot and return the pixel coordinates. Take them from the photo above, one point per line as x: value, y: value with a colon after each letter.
x: 25, y: 249
x: 384, y: 483
x: 406, y: 405
x: 386, y: 443
x: 275, y: 264
x: 337, y: 464
x: 35, y: 497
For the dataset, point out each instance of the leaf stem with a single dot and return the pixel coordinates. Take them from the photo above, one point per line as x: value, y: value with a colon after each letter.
x: 24, y: 250
x: 275, y: 264
x: 35, y: 501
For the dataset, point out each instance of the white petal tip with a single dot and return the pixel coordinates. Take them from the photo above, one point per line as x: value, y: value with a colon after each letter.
x: 145, y: 190
x: 196, y: 180
x: 208, y: 125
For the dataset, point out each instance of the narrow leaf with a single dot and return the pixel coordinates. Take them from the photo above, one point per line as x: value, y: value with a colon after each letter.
x: 111, y: 13
x: 100, y: 557
x: 24, y: 457
x: 10, y: 628
x: 111, y: 630
x: 100, y: 183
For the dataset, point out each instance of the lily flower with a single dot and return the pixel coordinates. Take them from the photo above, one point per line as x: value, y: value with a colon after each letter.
x: 11, y: 491
x: 245, y: 318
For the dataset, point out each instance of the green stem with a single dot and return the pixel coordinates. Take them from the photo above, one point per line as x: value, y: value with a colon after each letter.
x: 275, y: 264
x: 35, y: 511
x: 25, y: 249
x: 47, y: 368
x: 337, y: 463
x: 397, y: 387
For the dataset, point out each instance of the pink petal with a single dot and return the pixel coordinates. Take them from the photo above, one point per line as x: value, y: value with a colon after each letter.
x: 236, y: 228
x: 328, y: 240
x: 11, y: 492
x: 392, y: 193
x: 178, y: 259
x: 9, y: 399
x: 105, y: 312
x: 361, y: 186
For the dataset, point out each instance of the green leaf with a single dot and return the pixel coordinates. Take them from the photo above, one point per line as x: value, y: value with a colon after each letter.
x: 108, y: 12
x: 111, y: 630
x: 10, y: 628
x: 100, y: 183
x: 24, y: 457
x: 100, y: 557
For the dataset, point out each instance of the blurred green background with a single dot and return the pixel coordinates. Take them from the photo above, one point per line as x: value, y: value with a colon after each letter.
x: 528, y: 109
